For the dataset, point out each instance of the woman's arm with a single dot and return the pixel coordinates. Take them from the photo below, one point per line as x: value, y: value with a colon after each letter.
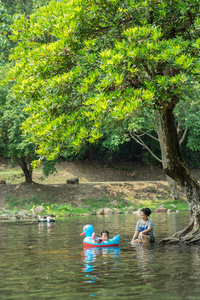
x: 147, y: 230
x: 135, y: 236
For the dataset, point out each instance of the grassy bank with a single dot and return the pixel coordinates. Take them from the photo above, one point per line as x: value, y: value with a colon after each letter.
x: 90, y: 206
x: 131, y: 187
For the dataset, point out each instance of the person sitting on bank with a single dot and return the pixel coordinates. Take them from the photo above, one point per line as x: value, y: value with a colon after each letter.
x: 144, y: 231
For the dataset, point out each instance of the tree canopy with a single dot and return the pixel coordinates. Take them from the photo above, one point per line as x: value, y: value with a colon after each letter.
x: 5, y: 21
x: 85, y: 66
x: 13, y: 143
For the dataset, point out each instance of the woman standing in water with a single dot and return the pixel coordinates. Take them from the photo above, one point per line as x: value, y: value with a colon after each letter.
x: 144, y: 231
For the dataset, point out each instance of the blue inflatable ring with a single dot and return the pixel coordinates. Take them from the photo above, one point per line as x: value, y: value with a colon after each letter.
x: 89, y: 242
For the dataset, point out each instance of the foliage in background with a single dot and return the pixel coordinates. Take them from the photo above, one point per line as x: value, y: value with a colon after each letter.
x: 83, y: 88
x: 23, y: 7
x: 5, y: 43
x: 13, y: 144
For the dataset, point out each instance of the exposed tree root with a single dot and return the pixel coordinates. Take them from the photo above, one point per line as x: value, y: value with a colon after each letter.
x: 188, y: 235
x: 194, y: 240
x: 184, y: 231
x: 170, y: 241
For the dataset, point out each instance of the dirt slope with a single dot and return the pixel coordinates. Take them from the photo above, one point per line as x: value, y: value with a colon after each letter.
x: 125, y: 180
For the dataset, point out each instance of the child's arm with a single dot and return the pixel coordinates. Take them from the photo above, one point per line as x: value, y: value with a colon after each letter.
x: 97, y: 240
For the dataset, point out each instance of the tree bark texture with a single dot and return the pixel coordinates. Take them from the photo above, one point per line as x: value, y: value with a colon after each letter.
x: 175, y: 168
x: 27, y: 169
x: 170, y: 180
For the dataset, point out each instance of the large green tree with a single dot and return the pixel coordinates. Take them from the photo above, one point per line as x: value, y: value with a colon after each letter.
x: 13, y: 144
x: 87, y: 65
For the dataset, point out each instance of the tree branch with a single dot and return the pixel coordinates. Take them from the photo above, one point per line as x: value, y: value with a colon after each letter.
x: 151, y: 136
x: 141, y: 142
x: 183, y: 136
x: 147, y: 70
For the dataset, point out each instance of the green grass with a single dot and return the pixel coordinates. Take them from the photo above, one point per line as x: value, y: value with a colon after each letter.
x: 122, y: 203
x: 13, y: 202
x: 50, y: 207
x: 103, y: 202
x: 93, y: 204
x: 168, y: 203
x: 27, y: 203
x: 12, y: 176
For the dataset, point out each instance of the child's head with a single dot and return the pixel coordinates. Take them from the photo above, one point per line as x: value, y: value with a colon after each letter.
x: 105, y: 235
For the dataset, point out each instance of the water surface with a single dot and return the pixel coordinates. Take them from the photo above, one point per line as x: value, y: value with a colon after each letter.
x: 41, y: 261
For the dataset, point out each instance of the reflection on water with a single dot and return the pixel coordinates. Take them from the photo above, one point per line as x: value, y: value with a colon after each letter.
x: 90, y: 256
x: 48, y: 261
x: 144, y: 253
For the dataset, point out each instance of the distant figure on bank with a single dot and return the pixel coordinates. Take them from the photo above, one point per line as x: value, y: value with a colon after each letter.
x: 42, y: 218
x: 51, y: 218
x: 46, y: 219
x: 144, y: 231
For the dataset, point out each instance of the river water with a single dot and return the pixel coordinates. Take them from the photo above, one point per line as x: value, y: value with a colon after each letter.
x: 41, y: 261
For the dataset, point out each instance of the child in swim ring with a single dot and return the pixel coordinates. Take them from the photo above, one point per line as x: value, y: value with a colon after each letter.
x: 46, y: 217
x: 104, y: 237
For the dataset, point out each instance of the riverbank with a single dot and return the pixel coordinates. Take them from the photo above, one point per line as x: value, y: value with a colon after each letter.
x: 101, y: 186
x: 65, y: 200
x: 14, y: 215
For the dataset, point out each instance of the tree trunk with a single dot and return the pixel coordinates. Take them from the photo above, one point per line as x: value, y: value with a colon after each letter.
x: 173, y: 188
x: 175, y: 168
x: 171, y: 181
x: 26, y: 168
